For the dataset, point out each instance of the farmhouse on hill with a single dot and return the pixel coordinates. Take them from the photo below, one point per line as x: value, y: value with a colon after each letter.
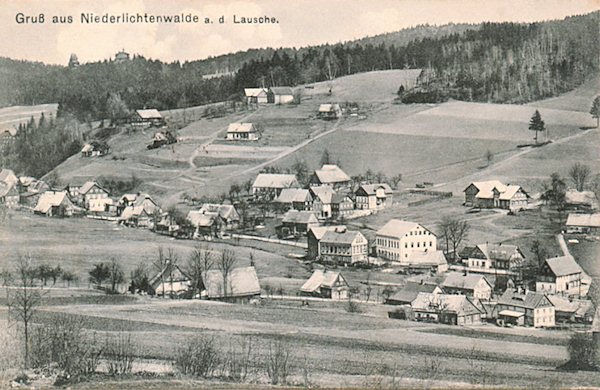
x: 280, y: 95
x: 492, y: 257
x: 332, y: 175
x: 471, y: 285
x: 242, y: 131
x: 583, y: 223
x: 241, y: 285
x: 525, y: 308
x: 446, y: 309
x: 493, y: 194
x: 397, y: 240
x: 270, y: 185
x: 341, y: 246
x: 256, y: 95
x: 560, y: 275
x: 56, y: 204
x: 329, y: 111
x: 373, y: 196
x: 326, y: 284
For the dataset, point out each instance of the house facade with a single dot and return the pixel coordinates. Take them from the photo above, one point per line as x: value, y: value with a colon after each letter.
x: 494, y: 194
x: 373, y: 196
x: 560, y: 275
x: 397, y: 240
x: 525, y: 308
x: 341, y: 246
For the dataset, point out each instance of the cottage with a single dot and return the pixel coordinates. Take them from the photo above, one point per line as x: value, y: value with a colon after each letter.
x: 280, y: 95
x: 326, y: 284
x: 147, y: 117
x: 256, y: 95
x: 397, y: 240
x: 525, y: 308
x: 471, y: 285
x: 94, y: 197
x: 314, y: 236
x: 297, y: 223
x: 341, y: 246
x: 331, y: 175
x: 56, y: 204
x: 322, y: 200
x: 329, y: 111
x: 295, y: 198
x: 493, y: 257
x: 9, y: 195
x: 580, y: 200
x: 445, y: 309
x: 8, y: 177
x: 407, y: 294
x: 341, y: 206
x: 270, y: 185
x: 242, y: 132
x: 493, y: 194
x: 583, y: 223
x: 373, y: 196
x: 560, y: 275
x: 241, y: 285
x: 94, y: 149
x: 171, y: 281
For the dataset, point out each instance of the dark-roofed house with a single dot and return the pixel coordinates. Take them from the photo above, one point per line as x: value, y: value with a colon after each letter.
x: 9, y: 195
x: 242, y: 131
x: 583, y: 223
x: 332, y: 175
x: 560, y: 275
x: 313, y: 238
x: 329, y: 111
x: 270, y: 185
x: 326, y: 284
x: 489, y: 257
x: 341, y: 206
x: 341, y: 246
x: 280, y: 95
x: 297, y: 223
x: 494, y: 194
x: 295, y: 198
x: 407, y: 294
x: 445, y: 309
x: 397, y: 240
x: 171, y: 281
x: 242, y: 285
x: 373, y: 196
x: 471, y: 285
x: 525, y: 308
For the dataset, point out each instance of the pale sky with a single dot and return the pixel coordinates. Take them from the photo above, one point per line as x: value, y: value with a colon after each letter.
x: 301, y: 23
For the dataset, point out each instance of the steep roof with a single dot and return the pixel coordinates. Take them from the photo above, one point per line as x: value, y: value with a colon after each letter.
x: 410, y: 291
x: 319, y: 231
x: 341, y: 237
x: 254, y: 92
x: 528, y: 300
x: 289, y: 195
x: 275, y: 180
x: 563, y: 265
x: 371, y: 189
x: 586, y: 220
x: 458, y: 304
x: 323, y: 193
x: 303, y: 217
x: 281, y: 90
x: 241, y: 128
x: 463, y: 282
x: 149, y: 114
x: 330, y: 174
x: 321, y: 278
x: 396, y: 228
x: 241, y: 282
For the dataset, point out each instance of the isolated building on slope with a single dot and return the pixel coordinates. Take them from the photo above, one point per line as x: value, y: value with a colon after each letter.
x: 493, y: 194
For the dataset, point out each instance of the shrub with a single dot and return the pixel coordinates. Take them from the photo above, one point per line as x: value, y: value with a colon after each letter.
x: 198, y: 357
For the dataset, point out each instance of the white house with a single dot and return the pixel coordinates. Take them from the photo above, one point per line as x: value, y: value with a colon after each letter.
x: 397, y: 240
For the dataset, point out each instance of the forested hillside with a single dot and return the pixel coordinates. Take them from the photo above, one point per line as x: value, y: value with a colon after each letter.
x: 498, y: 62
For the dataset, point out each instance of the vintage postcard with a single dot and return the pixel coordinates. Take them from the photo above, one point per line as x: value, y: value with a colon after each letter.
x: 307, y: 194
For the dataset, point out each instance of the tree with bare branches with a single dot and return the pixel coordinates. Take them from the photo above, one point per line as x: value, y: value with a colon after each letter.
x: 226, y: 263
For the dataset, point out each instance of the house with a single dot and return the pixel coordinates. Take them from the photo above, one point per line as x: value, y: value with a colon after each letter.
x: 326, y: 284
x: 560, y: 275
x: 580, y: 200
x: 147, y: 117
x: 171, y: 281
x: 332, y: 175
x: 471, y: 285
x: 493, y: 194
x: 329, y: 111
x: 572, y: 310
x: 525, y: 308
x: 94, y: 197
x: 446, y: 309
x: 407, y: 294
x: 373, y: 196
x: 270, y: 185
x: 341, y: 206
x: 397, y: 240
x: 56, y: 204
x: 295, y: 198
x: 94, y: 149
x: 322, y: 199
x: 583, y: 223
x: 241, y: 285
x: 7, y: 176
x: 490, y: 257
x: 341, y: 246
x: 242, y: 131
x: 314, y: 236
x: 256, y: 95
x: 427, y: 261
x: 9, y: 195
x: 280, y: 95
x: 297, y: 223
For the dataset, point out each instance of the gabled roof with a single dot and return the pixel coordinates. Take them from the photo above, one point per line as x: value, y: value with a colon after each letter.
x: 241, y: 282
x: 275, y: 180
x: 149, y: 114
x: 463, y: 282
x: 319, y: 231
x: 585, y: 220
x: 330, y: 174
x: 322, y: 278
x: 458, y: 304
x: 528, y: 300
x: 88, y: 186
x: 323, y: 193
x: 253, y: 92
x: 563, y: 265
x: 51, y: 199
x: 281, y: 90
x: 8, y: 176
x: 303, y: 217
x: 396, y: 228
x: 371, y: 189
x: 411, y: 290
x: 341, y: 237
x: 225, y: 211
x: 241, y: 128
x: 289, y: 195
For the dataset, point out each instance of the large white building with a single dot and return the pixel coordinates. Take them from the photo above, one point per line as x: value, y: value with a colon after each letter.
x: 397, y: 240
